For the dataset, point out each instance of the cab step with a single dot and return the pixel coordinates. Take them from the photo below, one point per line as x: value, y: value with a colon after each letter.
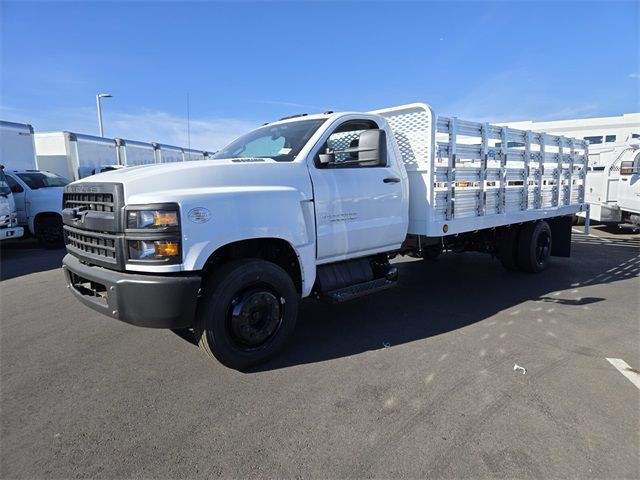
x: 361, y: 289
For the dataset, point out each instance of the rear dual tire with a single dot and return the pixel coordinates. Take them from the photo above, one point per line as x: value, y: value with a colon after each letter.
x: 247, y: 313
x: 534, y: 247
x: 526, y: 248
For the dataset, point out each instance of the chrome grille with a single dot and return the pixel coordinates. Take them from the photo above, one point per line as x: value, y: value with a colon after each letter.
x: 99, y: 202
x: 99, y: 246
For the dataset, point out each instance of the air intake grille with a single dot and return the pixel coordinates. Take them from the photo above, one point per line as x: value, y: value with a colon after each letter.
x: 99, y: 202
x: 94, y: 245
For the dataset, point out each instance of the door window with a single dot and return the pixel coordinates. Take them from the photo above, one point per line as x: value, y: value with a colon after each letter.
x: 343, y: 141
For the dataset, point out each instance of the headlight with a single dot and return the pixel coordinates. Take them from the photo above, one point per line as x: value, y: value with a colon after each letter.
x: 154, y: 249
x: 141, y: 219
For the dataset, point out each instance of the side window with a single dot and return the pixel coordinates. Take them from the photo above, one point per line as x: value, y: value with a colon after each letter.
x: 13, y: 185
x: 345, y: 138
x: 594, y: 140
x: 610, y: 138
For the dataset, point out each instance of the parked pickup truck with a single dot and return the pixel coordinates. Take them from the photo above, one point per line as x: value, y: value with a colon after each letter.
x: 316, y: 206
x: 38, y: 197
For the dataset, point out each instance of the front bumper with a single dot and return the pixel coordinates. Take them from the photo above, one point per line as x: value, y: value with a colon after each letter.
x: 11, y: 232
x: 144, y: 300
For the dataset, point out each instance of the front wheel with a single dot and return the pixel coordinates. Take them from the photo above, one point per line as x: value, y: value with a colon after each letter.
x: 49, y: 232
x: 247, y: 312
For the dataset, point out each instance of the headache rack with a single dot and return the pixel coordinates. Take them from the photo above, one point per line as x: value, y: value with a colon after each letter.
x: 466, y: 176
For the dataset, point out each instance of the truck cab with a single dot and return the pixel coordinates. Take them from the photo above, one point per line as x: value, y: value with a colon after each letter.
x: 38, y: 198
x: 311, y: 205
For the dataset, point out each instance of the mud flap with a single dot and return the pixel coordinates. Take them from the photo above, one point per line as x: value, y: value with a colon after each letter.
x: 561, y: 235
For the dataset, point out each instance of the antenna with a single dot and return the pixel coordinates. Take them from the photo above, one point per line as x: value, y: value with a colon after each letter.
x: 188, y: 127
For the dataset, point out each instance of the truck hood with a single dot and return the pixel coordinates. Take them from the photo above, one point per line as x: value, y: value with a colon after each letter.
x: 154, y: 183
x: 50, y: 193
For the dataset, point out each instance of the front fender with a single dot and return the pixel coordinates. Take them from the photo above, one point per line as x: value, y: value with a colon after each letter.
x: 262, y: 212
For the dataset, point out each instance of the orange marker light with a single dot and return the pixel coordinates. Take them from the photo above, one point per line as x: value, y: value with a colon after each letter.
x: 167, y: 249
x: 165, y: 219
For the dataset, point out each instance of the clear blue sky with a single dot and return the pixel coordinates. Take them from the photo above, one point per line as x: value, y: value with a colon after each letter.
x: 245, y: 63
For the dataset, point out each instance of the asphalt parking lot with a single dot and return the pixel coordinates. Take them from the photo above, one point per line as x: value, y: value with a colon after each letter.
x: 416, y: 382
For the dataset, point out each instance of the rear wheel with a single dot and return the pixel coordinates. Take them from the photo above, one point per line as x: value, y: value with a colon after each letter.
x: 247, y: 312
x: 49, y: 232
x: 534, y: 247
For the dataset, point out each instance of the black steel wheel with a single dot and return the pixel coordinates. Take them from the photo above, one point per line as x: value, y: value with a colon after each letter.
x: 254, y: 316
x: 534, y: 248
x: 247, y: 313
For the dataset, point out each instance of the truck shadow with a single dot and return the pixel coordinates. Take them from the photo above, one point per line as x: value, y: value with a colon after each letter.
x: 436, y: 297
x: 25, y: 256
x: 445, y: 295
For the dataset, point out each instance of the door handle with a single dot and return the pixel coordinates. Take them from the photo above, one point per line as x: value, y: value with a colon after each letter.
x: 391, y: 180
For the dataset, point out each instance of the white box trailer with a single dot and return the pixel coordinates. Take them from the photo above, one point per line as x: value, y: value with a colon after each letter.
x: 17, y: 148
x: 75, y: 155
x: 132, y: 153
x: 191, y: 155
x: 168, y: 153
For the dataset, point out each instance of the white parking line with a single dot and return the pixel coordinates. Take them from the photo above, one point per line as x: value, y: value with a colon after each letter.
x: 626, y: 370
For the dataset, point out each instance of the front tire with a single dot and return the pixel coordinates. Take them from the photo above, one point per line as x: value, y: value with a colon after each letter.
x: 534, y: 247
x: 247, y: 313
x: 49, y: 232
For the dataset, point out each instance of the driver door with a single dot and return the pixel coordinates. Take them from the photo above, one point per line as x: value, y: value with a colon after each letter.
x: 360, y: 209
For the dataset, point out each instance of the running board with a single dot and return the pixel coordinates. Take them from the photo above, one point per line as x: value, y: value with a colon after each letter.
x: 629, y: 226
x: 361, y: 289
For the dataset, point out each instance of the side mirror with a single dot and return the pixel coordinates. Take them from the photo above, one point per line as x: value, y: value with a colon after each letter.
x: 327, y: 157
x: 371, y: 151
x: 626, y: 168
x: 372, y: 148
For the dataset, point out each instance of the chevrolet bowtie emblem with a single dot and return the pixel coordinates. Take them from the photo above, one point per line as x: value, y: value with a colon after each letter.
x: 79, y: 213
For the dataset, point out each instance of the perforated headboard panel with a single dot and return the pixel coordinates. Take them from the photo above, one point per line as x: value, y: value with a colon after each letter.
x: 412, y: 127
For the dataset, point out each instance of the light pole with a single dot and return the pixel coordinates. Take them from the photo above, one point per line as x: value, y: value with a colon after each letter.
x: 98, y: 97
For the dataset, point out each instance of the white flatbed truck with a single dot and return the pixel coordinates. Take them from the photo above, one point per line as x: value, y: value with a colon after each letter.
x: 312, y: 206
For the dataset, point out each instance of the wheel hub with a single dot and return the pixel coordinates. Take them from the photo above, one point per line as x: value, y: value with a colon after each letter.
x: 543, y: 247
x: 255, y: 317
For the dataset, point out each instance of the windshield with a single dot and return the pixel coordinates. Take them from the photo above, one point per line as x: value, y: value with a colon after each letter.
x: 37, y: 180
x: 4, y: 185
x: 281, y: 142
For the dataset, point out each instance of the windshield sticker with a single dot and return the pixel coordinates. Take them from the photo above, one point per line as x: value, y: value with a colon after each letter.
x: 285, y: 151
